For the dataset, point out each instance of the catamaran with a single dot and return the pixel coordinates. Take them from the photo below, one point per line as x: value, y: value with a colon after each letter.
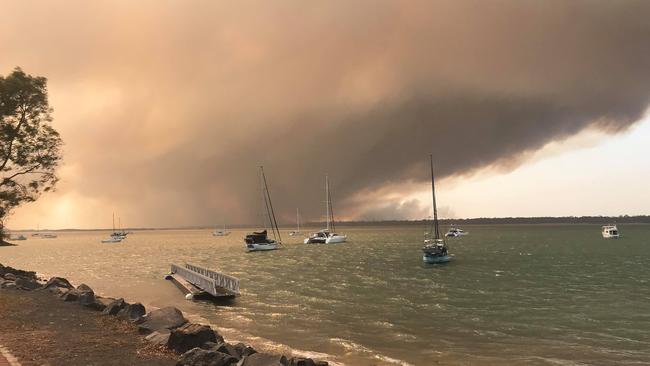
x: 223, y: 232
x: 297, y: 231
x: 327, y: 235
x: 435, y: 248
x: 259, y: 240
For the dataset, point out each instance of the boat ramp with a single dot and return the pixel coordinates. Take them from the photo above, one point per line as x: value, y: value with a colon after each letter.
x: 199, y: 282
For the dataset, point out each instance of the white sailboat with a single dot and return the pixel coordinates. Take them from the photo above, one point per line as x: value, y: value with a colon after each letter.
x: 113, y: 238
x: 297, y: 231
x: 223, y: 232
x: 259, y: 240
x: 435, y: 247
x: 327, y: 235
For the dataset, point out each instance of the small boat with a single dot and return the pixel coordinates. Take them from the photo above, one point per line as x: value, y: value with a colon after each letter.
x: 327, y: 235
x: 223, y: 232
x: 297, y: 231
x: 259, y: 240
x: 115, y: 237
x: 19, y: 237
x: 455, y: 232
x: 610, y: 232
x: 435, y: 248
x: 48, y: 236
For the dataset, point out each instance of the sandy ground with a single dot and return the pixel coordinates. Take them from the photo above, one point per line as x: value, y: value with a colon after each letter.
x: 40, y: 329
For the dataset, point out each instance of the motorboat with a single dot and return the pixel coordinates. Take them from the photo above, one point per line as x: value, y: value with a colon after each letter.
x: 455, y: 232
x: 259, y: 240
x: 327, y: 235
x: 435, y: 249
x: 610, y: 232
x: 19, y: 237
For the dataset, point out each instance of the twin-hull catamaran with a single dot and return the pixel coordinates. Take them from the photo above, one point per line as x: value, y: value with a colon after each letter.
x: 327, y: 235
x: 435, y: 248
x: 259, y: 240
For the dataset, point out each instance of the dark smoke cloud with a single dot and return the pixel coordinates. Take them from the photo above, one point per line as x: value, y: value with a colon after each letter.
x: 169, y: 107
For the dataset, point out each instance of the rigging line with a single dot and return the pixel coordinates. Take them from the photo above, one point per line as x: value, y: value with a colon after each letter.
x: 270, y: 204
x: 433, y: 195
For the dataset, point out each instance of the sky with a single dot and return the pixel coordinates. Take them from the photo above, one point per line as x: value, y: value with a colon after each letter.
x: 167, y: 108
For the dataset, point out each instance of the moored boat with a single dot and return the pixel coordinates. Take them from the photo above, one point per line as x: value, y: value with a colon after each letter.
x: 455, y: 232
x: 327, y: 235
x: 259, y: 240
x: 610, y: 232
x: 435, y: 248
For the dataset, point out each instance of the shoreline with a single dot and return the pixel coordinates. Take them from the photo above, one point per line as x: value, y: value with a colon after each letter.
x: 165, y: 331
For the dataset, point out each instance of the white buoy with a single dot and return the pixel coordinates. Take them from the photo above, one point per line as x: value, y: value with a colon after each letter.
x: 189, y: 297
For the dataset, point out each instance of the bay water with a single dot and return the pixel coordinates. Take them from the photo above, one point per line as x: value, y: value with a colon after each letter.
x: 513, y: 294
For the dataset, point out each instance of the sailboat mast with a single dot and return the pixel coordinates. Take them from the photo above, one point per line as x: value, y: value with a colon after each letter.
x: 269, y: 206
x: 435, y: 209
x: 298, y: 218
x: 327, y: 202
x: 329, y: 199
x: 113, y: 221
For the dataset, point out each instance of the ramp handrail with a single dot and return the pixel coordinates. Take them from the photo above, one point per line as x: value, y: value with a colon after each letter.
x: 204, y: 283
x: 221, y: 280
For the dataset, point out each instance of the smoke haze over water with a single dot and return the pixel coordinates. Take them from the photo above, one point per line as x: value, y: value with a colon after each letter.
x: 167, y: 108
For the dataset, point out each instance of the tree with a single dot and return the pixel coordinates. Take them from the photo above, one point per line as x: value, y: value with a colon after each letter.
x: 30, y: 148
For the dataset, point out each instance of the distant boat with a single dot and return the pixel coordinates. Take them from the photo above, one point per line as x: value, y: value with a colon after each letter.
x: 259, y: 240
x: 610, y: 232
x: 120, y: 233
x: 48, y: 236
x: 455, y: 232
x: 327, y: 235
x: 19, y: 237
x: 223, y: 232
x: 115, y: 237
x: 435, y: 248
x: 297, y: 231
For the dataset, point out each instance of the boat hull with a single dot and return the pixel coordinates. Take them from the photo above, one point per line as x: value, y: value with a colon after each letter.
x: 317, y: 240
x: 261, y: 247
x: 336, y: 239
x: 430, y: 259
x: 111, y: 241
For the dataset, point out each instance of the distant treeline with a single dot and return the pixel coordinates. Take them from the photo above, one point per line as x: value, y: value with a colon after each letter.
x: 624, y: 219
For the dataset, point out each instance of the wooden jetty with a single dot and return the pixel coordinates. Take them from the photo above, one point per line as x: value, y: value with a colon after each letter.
x: 202, y: 282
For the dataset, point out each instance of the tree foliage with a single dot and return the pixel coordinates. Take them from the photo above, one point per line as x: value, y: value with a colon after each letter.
x: 30, y: 148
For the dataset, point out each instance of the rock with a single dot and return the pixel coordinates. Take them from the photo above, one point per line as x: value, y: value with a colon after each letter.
x: 70, y: 295
x: 10, y: 276
x: 264, y: 359
x: 159, y: 337
x: 104, y: 300
x: 114, y: 307
x: 84, y: 288
x: 188, y: 336
x: 132, y: 312
x: 56, y: 283
x: 17, y: 272
x: 238, y: 350
x: 299, y: 361
x: 27, y: 283
x: 9, y: 284
x: 201, y: 357
x: 322, y: 363
x: 165, y: 318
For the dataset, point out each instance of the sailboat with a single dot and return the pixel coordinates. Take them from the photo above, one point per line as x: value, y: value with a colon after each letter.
x: 297, y: 231
x: 327, y: 235
x: 113, y: 238
x: 223, y: 232
x: 120, y: 233
x: 259, y: 240
x: 435, y: 248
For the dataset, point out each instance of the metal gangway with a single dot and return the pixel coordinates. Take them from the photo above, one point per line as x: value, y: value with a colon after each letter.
x: 194, y: 280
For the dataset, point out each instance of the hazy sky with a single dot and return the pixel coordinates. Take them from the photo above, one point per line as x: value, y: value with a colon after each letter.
x: 168, y: 107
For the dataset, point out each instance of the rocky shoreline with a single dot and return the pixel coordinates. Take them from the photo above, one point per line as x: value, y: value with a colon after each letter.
x: 167, y: 328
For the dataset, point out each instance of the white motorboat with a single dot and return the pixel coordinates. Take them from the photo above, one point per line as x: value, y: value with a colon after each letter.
x: 435, y: 248
x: 296, y: 232
x: 610, y: 232
x: 327, y: 235
x: 259, y: 241
x: 112, y: 239
x: 455, y: 232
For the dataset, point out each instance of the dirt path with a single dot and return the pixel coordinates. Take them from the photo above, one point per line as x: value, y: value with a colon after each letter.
x: 40, y: 329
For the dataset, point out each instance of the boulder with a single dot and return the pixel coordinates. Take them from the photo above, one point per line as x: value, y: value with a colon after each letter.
x: 201, y: 357
x: 9, y: 284
x: 238, y: 350
x: 70, y: 295
x: 299, y: 361
x: 10, y: 276
x: 132, y: 312
x: 27, y: 283
x: 84, y: 288
x: 18, y: 272
x: 264, y: 359
x: 159, y: 337
x: 87, y: 298
x: 321, y: 363
x: 115, y: 306
x: 165, y: 318
x: 104, y: 300
x: 189, y: 335
x: 56, y: 283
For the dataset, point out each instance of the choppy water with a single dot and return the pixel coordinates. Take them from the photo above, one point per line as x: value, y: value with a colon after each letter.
x: 541, y: 295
